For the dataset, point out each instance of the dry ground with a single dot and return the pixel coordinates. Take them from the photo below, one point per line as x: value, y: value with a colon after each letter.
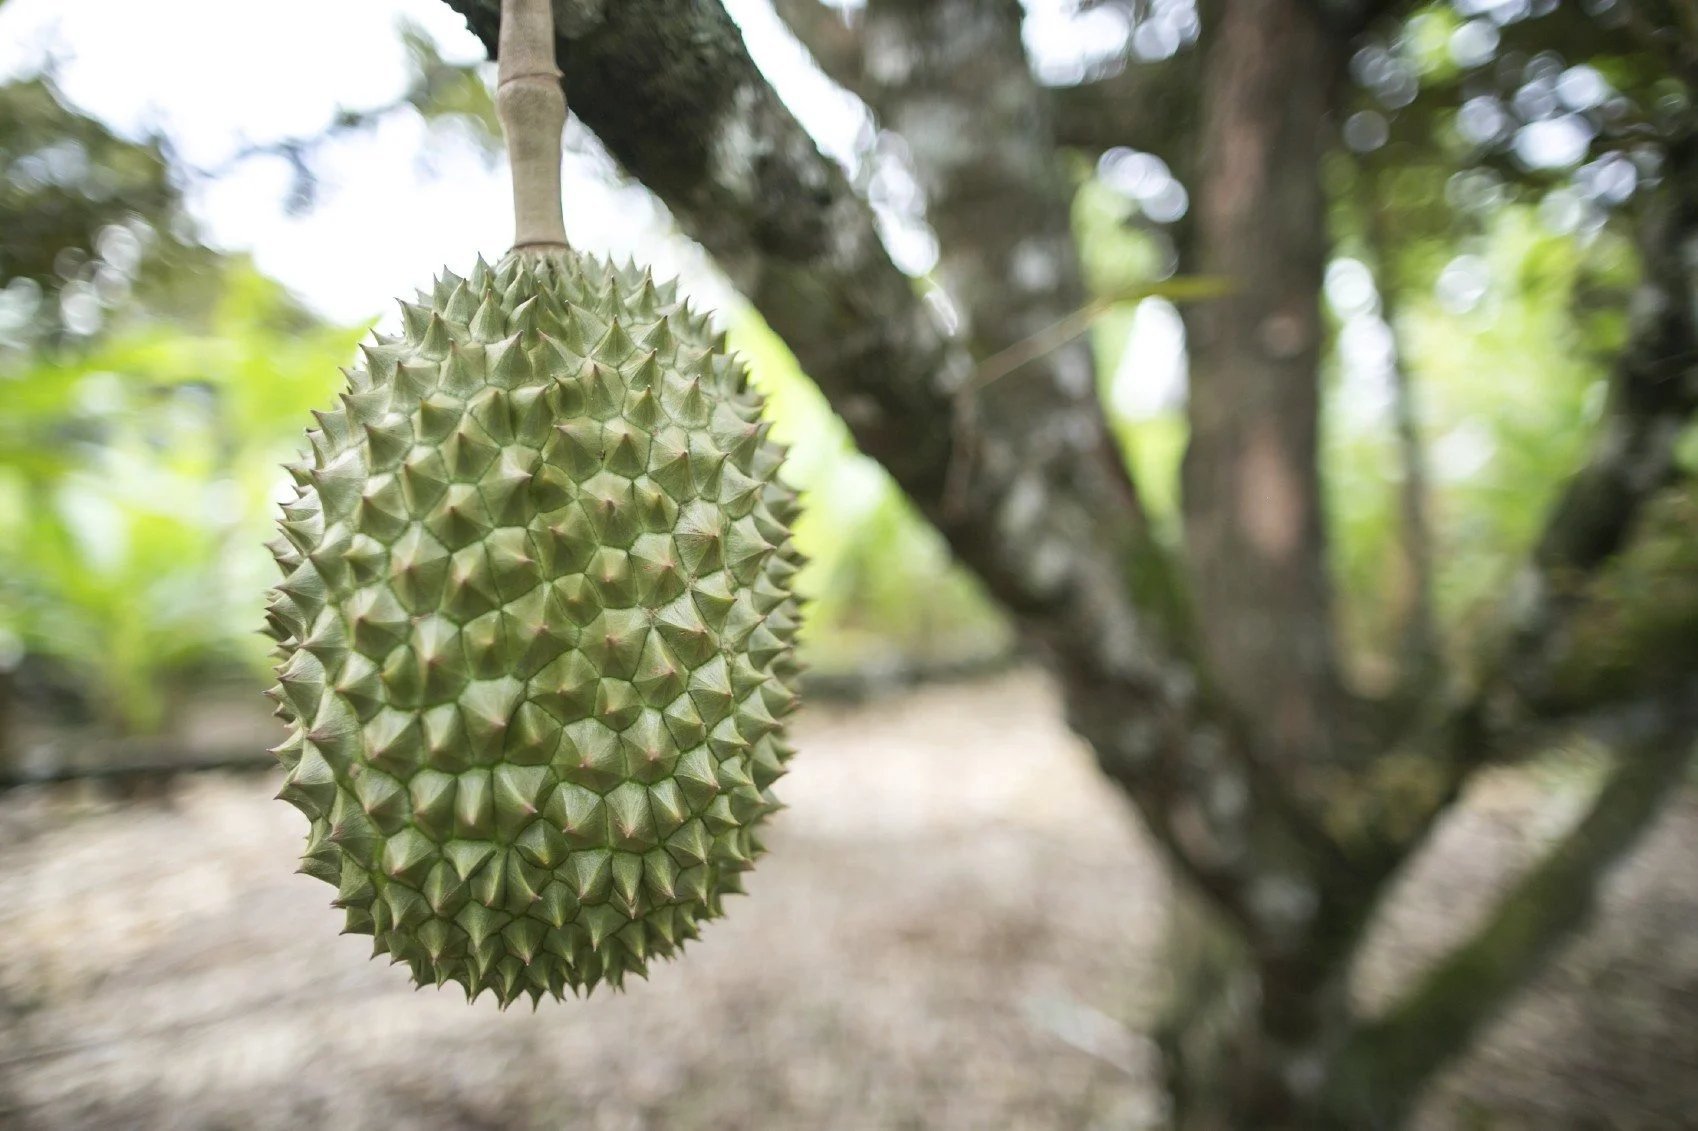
x: 959, y: 926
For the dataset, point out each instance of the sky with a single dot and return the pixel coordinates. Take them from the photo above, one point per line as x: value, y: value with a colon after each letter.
x: 399, y: 202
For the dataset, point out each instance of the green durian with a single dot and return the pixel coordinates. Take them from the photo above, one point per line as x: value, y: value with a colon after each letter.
x: 536, y: 629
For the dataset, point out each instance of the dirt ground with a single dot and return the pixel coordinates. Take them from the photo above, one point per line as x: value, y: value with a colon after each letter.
x: 959, y: 926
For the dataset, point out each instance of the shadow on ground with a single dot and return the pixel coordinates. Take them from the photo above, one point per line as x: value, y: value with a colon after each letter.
x: 958, y: 926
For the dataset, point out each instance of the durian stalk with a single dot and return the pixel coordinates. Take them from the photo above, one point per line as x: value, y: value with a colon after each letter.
x: 532, y: 109
x: 536, y: 618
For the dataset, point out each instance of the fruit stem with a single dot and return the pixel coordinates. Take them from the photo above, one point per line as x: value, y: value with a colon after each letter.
x: 532, y: 108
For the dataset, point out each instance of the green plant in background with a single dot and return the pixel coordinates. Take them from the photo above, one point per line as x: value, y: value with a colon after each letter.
x: 144, y: 384
x: 1121, y: 255
x: 134, y: 478
x: 1645, y: 606
x: 1508, y: 338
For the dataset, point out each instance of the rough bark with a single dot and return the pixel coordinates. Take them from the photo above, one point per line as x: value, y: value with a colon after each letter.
x: 1254, y: 527
x: 952, y: 79
x: 1266, y: 615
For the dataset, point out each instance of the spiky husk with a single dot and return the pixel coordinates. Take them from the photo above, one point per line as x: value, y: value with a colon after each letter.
x: 535, y: 630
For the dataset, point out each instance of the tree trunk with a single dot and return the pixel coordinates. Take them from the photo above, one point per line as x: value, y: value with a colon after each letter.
x: 1247, y: 1041
x: 1254, y: 527
x: 1226, y: 733
x: 1249, y: 1047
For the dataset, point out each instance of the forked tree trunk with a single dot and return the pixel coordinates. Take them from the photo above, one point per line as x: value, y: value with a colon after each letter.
x: 1248, y: 1043
x: 1227, y: 733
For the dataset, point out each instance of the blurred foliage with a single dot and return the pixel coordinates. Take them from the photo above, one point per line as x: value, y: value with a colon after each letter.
x: 1509, y: 384
x: 145, y: 380
x: 136, y: 476
x: 452, y: 98
x: 448, y: 94
x: 90, y: 225
x: 1484, y: 202
x: 1121, y: 252
x: 66, y: 177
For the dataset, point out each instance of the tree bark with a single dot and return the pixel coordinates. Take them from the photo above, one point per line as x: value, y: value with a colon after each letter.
x: 1254, y: 527
x: 1255, y: 531
x: 1148, y: 106
x: 954, y: 83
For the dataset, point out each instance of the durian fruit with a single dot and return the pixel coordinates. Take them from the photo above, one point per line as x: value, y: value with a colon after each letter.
x: 536, y: 629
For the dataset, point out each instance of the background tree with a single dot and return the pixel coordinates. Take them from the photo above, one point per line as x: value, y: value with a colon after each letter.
x: 1286, y: 783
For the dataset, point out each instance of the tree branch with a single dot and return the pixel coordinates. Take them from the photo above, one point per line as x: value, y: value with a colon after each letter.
x: 1653, y: 395
x: 832, y: 36
x: 1386, y: 1062
x: 1421, y: 641
x: 1029, y: 489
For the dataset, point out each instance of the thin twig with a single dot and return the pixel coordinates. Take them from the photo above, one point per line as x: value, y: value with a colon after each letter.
x: 1029, y: 349
x: 1189, y: 288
